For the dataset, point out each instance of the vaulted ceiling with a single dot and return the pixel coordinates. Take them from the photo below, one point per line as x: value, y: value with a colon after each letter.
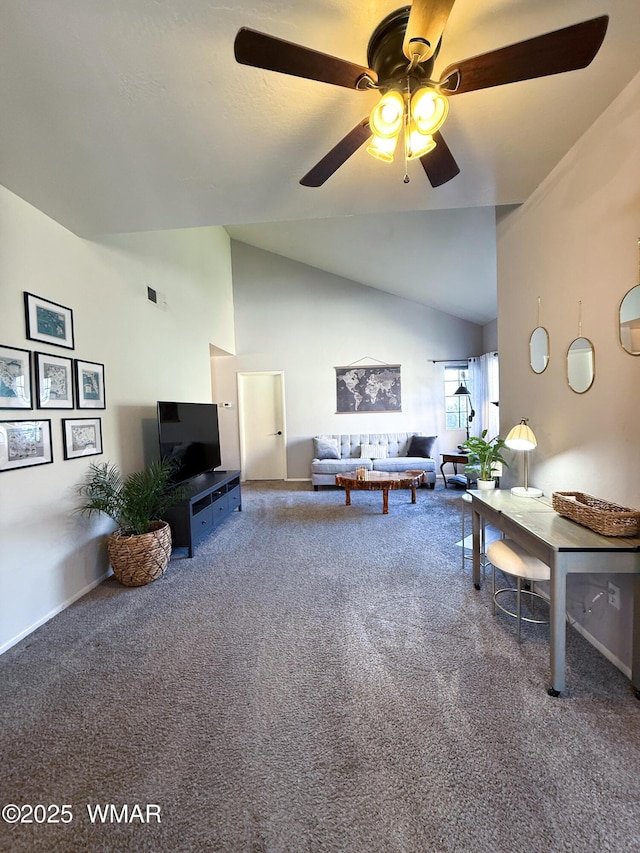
x: 126, y: 115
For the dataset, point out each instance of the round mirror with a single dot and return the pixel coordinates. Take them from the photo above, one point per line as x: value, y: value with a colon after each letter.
x: 580, y: 365
x: 630, y: 321
x: 539, y: 349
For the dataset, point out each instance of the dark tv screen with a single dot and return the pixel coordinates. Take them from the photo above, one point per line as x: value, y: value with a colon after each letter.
x: 189, y: 436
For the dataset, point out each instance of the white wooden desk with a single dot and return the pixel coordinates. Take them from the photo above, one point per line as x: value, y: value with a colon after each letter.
x: 564, y: 546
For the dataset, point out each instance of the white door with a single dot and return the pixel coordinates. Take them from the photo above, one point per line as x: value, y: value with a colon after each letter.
x: 262, y: 428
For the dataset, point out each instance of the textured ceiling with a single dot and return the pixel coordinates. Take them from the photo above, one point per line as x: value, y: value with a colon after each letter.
x: 126, y: 115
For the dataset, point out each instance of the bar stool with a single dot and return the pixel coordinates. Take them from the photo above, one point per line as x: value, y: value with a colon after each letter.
x: 466, y: 500
x: 511, y: 559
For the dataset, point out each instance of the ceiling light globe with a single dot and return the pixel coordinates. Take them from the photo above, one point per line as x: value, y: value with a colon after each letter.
x: 386, y: 117
x: 429, y: 109
x: 382, y: 148
x: 417, y: 143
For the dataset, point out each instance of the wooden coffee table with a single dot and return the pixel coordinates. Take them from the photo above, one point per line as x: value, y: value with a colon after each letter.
x: 380, y: 481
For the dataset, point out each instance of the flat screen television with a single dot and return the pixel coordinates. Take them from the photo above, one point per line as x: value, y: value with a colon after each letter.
x: 189, y: 435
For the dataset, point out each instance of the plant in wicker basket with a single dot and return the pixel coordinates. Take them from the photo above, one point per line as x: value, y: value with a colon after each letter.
x: 139, y: 550
x: 484, y: 454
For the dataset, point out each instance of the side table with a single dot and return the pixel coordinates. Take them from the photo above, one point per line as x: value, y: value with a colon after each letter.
x: 456, y: 457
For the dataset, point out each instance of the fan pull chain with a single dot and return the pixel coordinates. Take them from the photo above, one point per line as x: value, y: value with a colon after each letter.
x: 538, y: 321
x: 406, y: 178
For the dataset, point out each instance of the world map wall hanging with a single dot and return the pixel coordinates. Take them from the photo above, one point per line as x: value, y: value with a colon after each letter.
x: 368, y: 389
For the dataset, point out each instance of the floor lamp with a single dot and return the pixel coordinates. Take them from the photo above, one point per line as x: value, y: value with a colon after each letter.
x: 521, y: 437
x: 463, y: 392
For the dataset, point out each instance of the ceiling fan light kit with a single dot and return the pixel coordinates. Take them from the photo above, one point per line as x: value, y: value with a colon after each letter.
x: 401, y: 54
x: 420, y: 114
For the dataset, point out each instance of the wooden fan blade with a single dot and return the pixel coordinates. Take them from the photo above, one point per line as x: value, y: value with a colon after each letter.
x: 439, y: 164
x: 273, y: 54
x: 338, y: 155
x: 562, y: 50
x: 427, y: 20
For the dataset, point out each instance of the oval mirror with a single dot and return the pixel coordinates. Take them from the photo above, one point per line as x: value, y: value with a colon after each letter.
x: 580, y: 365
x: 630, y: 321
x: 539, y: 349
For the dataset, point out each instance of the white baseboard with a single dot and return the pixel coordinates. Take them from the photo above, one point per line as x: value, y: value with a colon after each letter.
x: 15, y: 640
x: 626, y: 670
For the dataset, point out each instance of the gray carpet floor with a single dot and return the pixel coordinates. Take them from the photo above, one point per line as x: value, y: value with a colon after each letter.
x: 317, y: 678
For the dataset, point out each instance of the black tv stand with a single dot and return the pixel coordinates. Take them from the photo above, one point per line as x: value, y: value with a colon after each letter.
x: 210, y: 498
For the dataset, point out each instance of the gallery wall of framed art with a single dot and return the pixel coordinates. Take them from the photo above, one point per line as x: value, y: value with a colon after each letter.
x: 48, y: 381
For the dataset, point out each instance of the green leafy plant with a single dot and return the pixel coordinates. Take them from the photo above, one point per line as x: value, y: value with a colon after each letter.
x: 484, y: 454
x: 133, y: 502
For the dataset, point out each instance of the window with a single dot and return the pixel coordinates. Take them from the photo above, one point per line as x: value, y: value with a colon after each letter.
x: 456, y: 406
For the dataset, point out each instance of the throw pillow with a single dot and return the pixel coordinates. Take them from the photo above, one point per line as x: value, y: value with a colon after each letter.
x: 420, y: 445
x: 373, y: 451
x: 326, y: 448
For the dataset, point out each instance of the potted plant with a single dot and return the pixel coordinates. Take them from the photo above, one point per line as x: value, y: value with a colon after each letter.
x: 140, y: 548
x: 483, y: 456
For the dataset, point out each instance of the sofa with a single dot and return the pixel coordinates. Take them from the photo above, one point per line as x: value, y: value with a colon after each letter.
x: 386, y: 451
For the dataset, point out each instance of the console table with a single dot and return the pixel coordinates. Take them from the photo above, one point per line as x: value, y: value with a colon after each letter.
x: 565, y: 547
x: 210, y: 498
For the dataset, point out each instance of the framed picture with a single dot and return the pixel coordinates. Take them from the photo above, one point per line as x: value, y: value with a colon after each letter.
x: 48, y: 322
x: 54, y: 381
x: 82, y: 437
x: 368, y: 389
x: 25, y: 443
x: 90, y: 385
x: 15, y: 378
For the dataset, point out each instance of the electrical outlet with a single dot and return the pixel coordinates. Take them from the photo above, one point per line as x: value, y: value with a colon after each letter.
x: 613, y: 595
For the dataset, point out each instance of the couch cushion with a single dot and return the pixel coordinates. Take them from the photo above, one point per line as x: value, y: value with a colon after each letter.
x: 339, y: 466
x: 326, y: 448
x: 373, y: 451
x: 404, y: 463
x: 421, y: 445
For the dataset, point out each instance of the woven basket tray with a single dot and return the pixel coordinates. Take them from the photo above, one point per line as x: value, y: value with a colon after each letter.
x: 603, y: 517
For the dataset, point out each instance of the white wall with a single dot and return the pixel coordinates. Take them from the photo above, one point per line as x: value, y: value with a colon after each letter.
x: 575, y: 240
x: 49, y: 556
x: 306, y: 322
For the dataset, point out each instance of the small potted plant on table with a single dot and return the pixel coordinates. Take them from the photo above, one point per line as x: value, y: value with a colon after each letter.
x: 140, y: 547
x: 484, y: 458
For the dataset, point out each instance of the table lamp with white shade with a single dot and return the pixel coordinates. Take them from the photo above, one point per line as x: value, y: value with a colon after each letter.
x: 521, y: 437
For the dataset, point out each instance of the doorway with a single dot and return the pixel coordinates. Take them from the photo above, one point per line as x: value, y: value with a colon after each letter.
x: 262, y: 425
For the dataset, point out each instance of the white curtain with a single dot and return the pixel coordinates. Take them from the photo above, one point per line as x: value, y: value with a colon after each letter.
x: 484, y: 392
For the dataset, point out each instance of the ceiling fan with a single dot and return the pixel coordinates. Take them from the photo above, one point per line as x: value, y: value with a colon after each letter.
x: 401, y: 54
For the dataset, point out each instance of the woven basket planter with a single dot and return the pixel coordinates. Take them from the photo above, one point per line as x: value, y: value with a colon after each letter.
x: 138, y: 560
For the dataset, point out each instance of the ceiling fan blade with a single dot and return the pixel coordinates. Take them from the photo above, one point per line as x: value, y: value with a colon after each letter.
x: 562, y: 50
x: 427, y: 20
x: 338, y: 155
x: 439, y: 164
x: 273, y: 54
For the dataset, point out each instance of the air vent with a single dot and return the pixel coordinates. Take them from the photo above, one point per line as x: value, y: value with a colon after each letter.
x: 157, y: 297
